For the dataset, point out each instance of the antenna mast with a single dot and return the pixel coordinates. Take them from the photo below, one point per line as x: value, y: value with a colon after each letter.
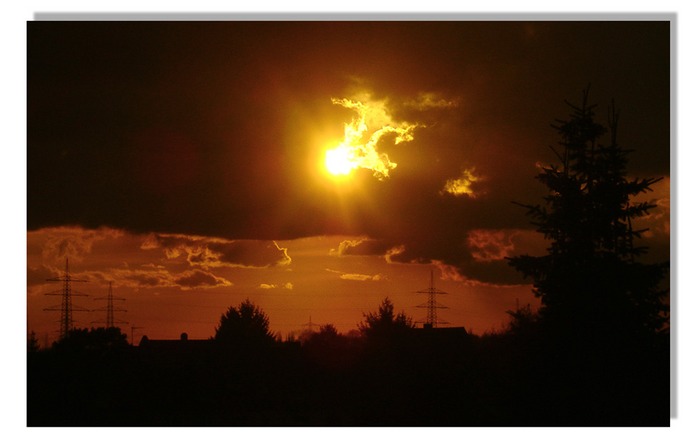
x: 66, y: 308
x: 432, y: 305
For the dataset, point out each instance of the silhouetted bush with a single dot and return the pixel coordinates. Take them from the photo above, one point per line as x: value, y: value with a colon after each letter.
x: 331, y: 350
x: 94, y: 340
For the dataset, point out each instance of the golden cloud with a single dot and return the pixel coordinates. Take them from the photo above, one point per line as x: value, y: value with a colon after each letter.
x: 463, y: 185
x: 392, y: 252
x: 359, y: 148
x: 357, y: 276
x: 362, y: 247
x: 286, y: 286
x: 344, y: 246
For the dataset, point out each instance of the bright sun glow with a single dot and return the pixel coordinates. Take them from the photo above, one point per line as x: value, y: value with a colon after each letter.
x: 339, y: 161
x: 359, y: 146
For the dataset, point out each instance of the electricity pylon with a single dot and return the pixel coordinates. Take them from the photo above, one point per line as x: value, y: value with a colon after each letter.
x: 66, y: 307
x: 110, y: 308
x: 310, y: 325
x: 432, y: 305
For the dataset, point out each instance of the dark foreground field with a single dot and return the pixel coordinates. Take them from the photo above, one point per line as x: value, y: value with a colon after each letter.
x: 496, y: 380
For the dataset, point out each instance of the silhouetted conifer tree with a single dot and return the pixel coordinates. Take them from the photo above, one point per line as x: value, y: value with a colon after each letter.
x: 245, y: 325
x: 384, y: 323
x: 591, y: 281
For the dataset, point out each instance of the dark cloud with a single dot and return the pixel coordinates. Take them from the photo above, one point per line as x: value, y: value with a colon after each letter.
x: 38, y: 275
x: 147, y: 279
x: 154, y: 277
x: 216, y: 252
x: 213, y: 129
x: 199, y: 279
x: 72, y: 243
x: 252, y: 253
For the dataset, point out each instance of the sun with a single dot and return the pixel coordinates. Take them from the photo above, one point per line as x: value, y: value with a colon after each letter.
x: 339, y: 161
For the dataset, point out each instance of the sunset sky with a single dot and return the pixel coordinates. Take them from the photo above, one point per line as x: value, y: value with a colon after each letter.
x: 314, y: 167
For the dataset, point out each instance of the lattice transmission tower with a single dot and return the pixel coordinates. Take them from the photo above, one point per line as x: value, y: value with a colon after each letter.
x: 432, y: 305
x: 310, y: 325
x: 66, y: 307
x: 110, y: 309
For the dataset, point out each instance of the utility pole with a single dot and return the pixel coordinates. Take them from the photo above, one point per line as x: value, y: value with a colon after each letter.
x: 432, y: 305
x: 110, y: 308
x: 66, y: 307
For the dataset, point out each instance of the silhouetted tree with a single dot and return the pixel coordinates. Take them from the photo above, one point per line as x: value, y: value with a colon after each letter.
x: 591, y: 280
x: 384, y: 323
x: 326, y: 337
x: 291, y: 337
x: 32, y: 343
x: 245, y: 325
x: 522, y: 320
x: 328, y: 330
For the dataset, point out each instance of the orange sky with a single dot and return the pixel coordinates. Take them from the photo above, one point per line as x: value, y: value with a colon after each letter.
x: 308, y: 279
